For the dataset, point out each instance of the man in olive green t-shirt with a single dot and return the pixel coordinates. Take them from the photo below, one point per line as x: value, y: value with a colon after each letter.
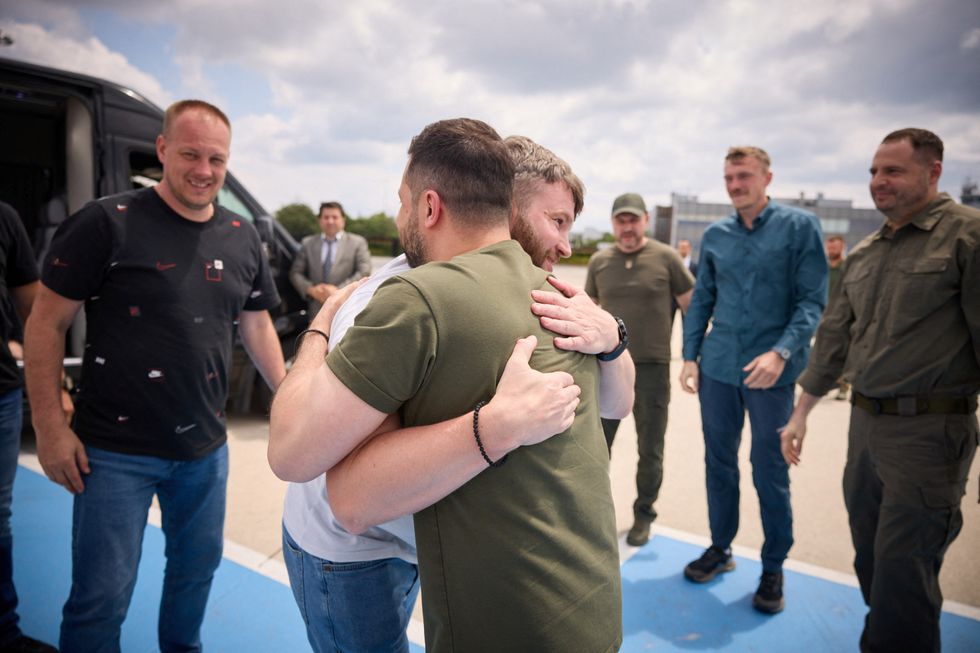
x: 636, y: 281
x: 523, y: 556
x: 834, y: 247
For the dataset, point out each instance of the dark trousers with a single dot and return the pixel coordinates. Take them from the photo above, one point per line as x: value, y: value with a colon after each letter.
x: 652, y: 394
x: 723, y: 408
x: 904, y: 479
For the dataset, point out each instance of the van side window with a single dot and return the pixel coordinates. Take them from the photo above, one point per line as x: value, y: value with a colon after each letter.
x: 228, y: 199
x: 145, y: 170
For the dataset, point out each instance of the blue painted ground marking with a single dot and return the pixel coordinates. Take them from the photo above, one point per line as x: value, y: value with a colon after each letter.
x: 251, y: 612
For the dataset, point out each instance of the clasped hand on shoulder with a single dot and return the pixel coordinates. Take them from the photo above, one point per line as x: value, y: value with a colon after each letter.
x: 580, y: 323
x: 528, y: 406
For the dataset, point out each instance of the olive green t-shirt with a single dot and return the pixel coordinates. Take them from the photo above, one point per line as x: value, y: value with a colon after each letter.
x: 524, y: 556
x: 638, y: 287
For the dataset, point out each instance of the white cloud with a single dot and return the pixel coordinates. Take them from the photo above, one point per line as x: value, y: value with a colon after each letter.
x: 971, y: 40
x: 636, y: 95
x: 86, y: 55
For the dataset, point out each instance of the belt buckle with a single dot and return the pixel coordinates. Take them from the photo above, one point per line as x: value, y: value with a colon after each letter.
x: 875, y: 406
x: 907, y: 406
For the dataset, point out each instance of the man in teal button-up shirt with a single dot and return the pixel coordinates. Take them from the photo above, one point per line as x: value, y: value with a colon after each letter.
x: 762, y: 283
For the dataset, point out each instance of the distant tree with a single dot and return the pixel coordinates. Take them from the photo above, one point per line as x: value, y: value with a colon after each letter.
x: 375, y: 227
x: 298, y: 219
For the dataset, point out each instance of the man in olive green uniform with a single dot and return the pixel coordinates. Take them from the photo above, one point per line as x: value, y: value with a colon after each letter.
x: 521, y: 556
x: 834, y: 247
x: 905, y: 329
x: 637, y: 280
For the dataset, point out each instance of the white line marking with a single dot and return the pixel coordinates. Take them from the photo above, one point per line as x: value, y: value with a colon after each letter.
x: 841, y: 578
x: 30, y: 461
x: 272, y: 568
x: 268, y: 566
x: 416, y: 632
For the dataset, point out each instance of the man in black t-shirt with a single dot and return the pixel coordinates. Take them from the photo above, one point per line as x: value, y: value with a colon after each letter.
x: 18, y: 286
x: 163, y: 274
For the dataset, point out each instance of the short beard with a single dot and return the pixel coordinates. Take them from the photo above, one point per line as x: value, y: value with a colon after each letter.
x: 528, y: 240
x: 413, y: 243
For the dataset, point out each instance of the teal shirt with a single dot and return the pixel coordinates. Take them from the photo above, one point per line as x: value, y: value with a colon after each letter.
x: 761, y: 289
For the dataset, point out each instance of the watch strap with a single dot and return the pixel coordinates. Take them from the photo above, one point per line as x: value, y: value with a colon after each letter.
x: 624, y: 340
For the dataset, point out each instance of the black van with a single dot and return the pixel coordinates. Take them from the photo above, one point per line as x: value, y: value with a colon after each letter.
x: 67, y: 138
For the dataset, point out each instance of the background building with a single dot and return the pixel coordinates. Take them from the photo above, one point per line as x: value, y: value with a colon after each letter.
x: 970, y: 195
x: 687, y: 218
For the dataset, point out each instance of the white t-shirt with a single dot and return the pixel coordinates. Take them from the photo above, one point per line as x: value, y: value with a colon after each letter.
x: 307, y: 514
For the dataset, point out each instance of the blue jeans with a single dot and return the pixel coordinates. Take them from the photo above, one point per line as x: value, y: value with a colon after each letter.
x: 723, y: 409
x: 107, y: 538
x: 11, y: 416
x: 352, y: 607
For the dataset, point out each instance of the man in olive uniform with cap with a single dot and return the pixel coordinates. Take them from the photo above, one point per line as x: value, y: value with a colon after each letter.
x: 637, y: 281
x: 905, y: 329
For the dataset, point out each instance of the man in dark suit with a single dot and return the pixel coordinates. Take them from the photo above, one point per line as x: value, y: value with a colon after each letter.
x: 329, y: 260
x: 684, y: 249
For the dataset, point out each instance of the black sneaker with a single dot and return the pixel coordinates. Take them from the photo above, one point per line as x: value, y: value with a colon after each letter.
x: 25, y: 644
x: 712, y: 562
x: 769, y: 597
x: 639, y: 534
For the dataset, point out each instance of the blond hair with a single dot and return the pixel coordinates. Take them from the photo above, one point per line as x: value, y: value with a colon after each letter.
x: 533, y: 163
x: 739, y: 152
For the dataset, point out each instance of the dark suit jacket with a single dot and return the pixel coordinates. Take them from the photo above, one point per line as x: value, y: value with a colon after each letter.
x: 351, y: 261
x: 693, y: 269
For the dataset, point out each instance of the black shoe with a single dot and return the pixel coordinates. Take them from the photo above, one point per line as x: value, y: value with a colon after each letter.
x: 639, y: 534
x: 25, y: 644
x: 712, y: 562
x: 769, y: 597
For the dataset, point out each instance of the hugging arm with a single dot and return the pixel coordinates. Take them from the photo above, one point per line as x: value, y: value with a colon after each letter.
x: 403, y: 471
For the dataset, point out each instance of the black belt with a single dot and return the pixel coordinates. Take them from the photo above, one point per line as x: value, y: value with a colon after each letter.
x: 916, y: 405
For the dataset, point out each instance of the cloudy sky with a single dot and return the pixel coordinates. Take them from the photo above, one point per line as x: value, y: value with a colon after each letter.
x: 637, y: 95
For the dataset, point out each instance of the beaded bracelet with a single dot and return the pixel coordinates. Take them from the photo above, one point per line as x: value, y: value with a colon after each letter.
x: 303, y: 333
x: 479, y: 443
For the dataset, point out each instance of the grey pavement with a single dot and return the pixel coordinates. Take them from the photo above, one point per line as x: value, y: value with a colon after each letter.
x: 821, y: 531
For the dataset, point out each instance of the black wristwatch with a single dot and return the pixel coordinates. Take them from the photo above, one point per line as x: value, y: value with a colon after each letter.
x: 624, y: 340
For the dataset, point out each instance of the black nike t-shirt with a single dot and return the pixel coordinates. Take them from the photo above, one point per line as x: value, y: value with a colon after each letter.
x: 17, y: 268
x: 161, y: 296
